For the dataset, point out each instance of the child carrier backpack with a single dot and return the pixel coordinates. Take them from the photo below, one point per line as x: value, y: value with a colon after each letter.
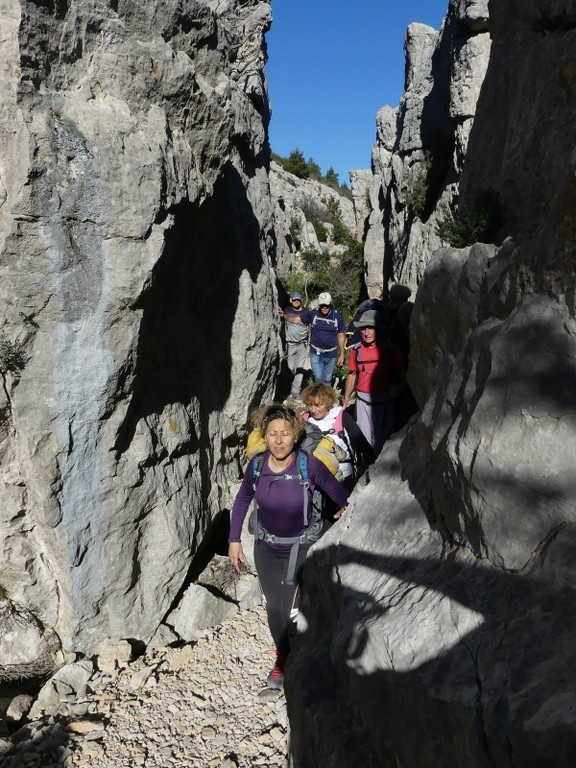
x: 320, y: 442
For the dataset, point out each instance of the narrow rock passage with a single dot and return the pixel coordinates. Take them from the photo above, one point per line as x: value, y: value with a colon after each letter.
x: 200, y: 706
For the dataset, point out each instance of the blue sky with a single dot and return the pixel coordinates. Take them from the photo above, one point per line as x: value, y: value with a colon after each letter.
x: 331, y: 65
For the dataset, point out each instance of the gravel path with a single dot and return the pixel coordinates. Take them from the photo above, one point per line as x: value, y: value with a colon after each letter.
x: 200, y: 706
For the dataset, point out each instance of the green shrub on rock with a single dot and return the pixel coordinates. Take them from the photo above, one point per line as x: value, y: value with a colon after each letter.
x: 475, y: 223
x: 12, y: 357
x: 414, y: 193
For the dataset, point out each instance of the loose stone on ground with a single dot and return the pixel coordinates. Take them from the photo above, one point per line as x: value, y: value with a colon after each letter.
x: 199, y: 706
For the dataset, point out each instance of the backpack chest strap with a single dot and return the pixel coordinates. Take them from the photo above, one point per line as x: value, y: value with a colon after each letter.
x: 302, y: 477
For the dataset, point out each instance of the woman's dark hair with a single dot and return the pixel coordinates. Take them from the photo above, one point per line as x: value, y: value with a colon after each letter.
x: 267, y: 413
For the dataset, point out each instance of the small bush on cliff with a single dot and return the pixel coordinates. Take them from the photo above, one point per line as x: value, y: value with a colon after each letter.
x: 340, y: 232
x: 295, y: 232
x: 331, y: 179
x: 320, y: 229
x: 476, y: 223
x: 414, y: 193
x: 313, y: 260
x: 312, y: 208
x: 12, y: 357
x: 296, y: 164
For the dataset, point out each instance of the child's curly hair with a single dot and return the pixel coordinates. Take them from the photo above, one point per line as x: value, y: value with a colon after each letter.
x: 267, y: 413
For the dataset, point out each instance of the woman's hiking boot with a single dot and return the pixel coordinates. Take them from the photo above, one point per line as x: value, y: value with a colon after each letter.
x: 276, y: 676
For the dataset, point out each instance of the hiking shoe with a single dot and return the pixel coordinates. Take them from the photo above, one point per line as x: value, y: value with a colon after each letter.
x: 276, y: 676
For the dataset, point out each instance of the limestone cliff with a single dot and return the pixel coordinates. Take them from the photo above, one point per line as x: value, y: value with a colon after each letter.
x: 439, y: 622
x: 297, y: 202
x: 420, y: 146
x: 135, y: 227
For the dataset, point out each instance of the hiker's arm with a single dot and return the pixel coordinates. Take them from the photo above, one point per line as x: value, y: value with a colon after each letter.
x: 338, y: 515
x: 322, y: 478
x: 241, y: 505
x: 342, y: 348
x: 349, y: 386
x: 288, y: 318
x: 236, y: 555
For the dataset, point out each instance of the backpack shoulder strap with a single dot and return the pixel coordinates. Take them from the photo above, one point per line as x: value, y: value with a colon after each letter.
x: 304, y: 482
x: 258, y: 463
x: 338, y: 424
x: 303, y: 467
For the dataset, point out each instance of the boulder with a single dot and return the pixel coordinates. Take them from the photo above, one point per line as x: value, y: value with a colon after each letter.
x: 27, y: 649
x: 198, y: 610
x: 19, y: 707
x: 65, y: 686
x: 113, y: 653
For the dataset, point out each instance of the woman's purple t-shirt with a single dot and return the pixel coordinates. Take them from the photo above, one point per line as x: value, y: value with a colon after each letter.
x: 281, y: 502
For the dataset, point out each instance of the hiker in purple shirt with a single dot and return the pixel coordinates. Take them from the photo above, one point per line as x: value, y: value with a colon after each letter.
x: 281, y: 482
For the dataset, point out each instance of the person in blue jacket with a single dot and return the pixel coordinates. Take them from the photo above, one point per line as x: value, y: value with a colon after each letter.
x: 327, y: 337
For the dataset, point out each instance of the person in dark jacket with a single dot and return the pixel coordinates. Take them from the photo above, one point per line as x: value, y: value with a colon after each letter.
x: 327, y: 338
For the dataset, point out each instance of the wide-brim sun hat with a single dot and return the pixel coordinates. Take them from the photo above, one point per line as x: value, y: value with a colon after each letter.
x: 371, y: 319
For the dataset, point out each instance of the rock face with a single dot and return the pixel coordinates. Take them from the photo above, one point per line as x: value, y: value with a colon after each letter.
x: 135, y: 223
x: 421, y: 145
x: 296, y: 203
x: 439, y: 621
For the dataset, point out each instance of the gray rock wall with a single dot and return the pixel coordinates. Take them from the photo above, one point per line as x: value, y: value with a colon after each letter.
x: 439, y: 619
x: 296, y: 202
x: 424, y: 142
x: 135, y: 226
